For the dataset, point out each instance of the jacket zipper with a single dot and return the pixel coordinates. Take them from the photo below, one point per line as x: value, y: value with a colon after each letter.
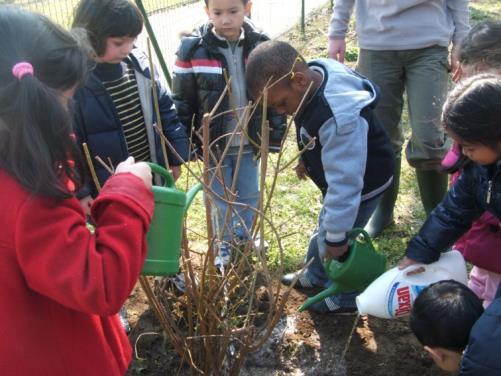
x: 489, y: 192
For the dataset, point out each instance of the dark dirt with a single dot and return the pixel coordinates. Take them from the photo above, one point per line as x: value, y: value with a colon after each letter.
x: 302, y: 344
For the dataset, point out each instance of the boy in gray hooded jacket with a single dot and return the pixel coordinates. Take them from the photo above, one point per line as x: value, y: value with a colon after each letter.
x: 348, y: 154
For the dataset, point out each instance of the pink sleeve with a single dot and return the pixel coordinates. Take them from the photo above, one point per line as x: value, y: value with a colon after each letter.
x: 452, y: 156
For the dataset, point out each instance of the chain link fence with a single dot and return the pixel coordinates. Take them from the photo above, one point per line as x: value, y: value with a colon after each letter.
x: 171, y: 18
x: 61, y: 11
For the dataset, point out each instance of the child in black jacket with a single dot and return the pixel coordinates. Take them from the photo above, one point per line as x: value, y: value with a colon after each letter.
x: 471, y: 117
x: 215, y: 52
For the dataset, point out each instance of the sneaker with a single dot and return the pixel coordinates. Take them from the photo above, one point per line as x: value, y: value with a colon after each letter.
x: 303, y: 282
x: 240, y: 240
x: 122, y: 314
x: 336, y: 304
x: 256, y: 243
x: 178, y: 281
x: 223, y: 258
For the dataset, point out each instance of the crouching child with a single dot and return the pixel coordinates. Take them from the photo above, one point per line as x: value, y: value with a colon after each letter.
x: 449, y: 321
x: 348, y: 154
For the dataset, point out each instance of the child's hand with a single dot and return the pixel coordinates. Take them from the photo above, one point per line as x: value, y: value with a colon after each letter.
x: 456, y: 74
x: 454, y: 63
x: 406, y: 262
x: 175, y: 171
x: 301, y: 170
x: 86, y: 203
x: 140, y: 169
x: 335, y: 253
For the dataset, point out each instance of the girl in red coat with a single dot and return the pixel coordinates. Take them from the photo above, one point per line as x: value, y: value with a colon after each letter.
x: 60, y: 285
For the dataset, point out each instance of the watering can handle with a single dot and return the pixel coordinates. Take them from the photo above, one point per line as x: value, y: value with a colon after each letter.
x: 353, y: 234
x: 169, y: 180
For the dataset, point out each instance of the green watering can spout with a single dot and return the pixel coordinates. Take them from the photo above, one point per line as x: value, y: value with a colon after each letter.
x: 362, y: 266
x: 191, y: 194
x: 164, y: 235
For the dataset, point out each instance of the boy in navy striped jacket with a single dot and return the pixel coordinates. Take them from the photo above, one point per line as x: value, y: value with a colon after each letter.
x: 212, y: 53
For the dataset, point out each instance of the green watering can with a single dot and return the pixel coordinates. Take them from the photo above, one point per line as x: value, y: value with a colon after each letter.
x: 164, y: 235
x: 362, y: 266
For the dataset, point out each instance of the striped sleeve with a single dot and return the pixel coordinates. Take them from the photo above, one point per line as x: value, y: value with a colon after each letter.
x: 196, y: 66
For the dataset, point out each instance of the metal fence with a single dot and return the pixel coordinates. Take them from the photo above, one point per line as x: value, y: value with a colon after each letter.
x: 61, y: 11
x: 170, y: 18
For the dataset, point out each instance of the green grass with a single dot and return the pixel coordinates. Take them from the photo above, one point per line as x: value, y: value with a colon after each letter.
x: 294, y: 212
x: 485, y: 9
x: 303, y: 211
x: 295, y: 209
x: 297, y: 203
x: 409, y: 213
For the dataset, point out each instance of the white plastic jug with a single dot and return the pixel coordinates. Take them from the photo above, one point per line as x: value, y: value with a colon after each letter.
x: 392, y: 294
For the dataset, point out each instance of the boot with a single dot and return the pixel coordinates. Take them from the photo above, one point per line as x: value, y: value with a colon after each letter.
x: 383, y: 215
x: 432, y: 187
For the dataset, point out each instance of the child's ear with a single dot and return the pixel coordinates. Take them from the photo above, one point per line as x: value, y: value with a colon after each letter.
x: 206, y: 8
x: 437, y: 355
x: 299, y: 80
x: 248, y: 8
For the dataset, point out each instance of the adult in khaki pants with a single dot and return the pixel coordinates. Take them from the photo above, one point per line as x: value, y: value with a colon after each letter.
x: 404, y: 47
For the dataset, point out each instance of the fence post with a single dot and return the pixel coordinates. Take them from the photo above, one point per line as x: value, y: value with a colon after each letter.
x: 154, y: 42
x: 302, y: 16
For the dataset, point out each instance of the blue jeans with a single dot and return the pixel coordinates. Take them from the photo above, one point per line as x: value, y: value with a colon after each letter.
x: 316, y: 272
x: 235, y: 220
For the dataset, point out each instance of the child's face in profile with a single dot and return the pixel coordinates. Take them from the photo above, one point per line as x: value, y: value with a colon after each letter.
x: 447, y: 360
x: 117, y: 49
x: 477, y: 152
x: 227, y: 16
x: 285, y: 99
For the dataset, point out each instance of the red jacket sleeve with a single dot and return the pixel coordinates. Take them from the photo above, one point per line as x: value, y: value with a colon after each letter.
x: 63, y: 260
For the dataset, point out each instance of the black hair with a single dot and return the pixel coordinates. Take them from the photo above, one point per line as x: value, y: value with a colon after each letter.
x: 243, y: 1
x: 270, y: 61
x: 482, y: 46
x: 107, y: 18
x: 443, y: 315
x: 473, y: 109
x: 36, y: 147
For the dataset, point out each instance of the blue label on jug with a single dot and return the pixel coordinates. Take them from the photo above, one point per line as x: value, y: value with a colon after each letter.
x: 401, y: 297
